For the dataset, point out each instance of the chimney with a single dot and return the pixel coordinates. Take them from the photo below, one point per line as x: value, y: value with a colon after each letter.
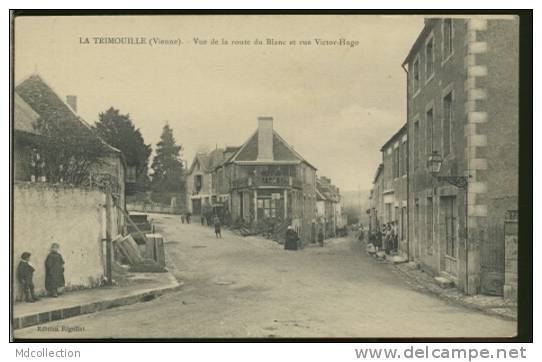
x: 72, y: 102
x: 265, y: 138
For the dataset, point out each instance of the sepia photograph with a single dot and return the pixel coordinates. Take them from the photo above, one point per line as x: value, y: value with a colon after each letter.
x: 267, y: 176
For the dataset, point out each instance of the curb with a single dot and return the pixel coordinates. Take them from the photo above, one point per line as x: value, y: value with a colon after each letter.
x: 73, y: 311
x: 488, y: 311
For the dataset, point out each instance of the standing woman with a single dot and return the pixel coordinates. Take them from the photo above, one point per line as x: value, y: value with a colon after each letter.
x: 54, y: 271
x: 291, y: 239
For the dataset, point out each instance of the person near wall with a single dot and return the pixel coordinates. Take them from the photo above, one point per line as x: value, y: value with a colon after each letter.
x: 54, y: 271
x: 291, y: 239
x: 25, y: 274
x: 188, y: 216
x: 182, y: 218
x: 321, y: 238
x: 378, y: 238
x: 394, y: 237
x: 202, y: 218
x: 389, y: 238
x: 216, y: 222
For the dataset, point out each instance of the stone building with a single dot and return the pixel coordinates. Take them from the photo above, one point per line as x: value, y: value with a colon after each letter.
x: 395, y: 186
x: 46, y: 212
x: 199, y: 180
x: 33, y: 99
x: 463, y: 115
x: 376, y: 200
x: 328, y: 208
x: 266, y: 180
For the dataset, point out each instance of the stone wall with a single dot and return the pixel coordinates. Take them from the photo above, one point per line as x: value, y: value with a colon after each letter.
x: 511, y: 257
x: 73, y: 217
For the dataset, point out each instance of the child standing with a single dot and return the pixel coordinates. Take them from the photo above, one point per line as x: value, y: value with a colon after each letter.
x: 25, y: 273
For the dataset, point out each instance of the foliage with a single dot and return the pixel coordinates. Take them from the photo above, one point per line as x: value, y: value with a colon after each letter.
x: 119, y: 131
x: 167, y: 164
x: 69, y: 149
x: 66, y: 145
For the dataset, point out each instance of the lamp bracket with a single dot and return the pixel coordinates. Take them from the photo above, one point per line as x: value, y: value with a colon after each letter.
x: 457, y: 181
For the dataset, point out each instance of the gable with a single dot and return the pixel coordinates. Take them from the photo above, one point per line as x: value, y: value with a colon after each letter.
x: 281, y: 151
x: 250, y: 150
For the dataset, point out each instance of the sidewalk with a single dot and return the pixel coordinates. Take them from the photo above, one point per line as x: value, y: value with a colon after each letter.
x: 492, y: 305
x: 135, y: 287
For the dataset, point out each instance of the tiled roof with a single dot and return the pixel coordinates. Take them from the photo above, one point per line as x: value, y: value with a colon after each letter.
x: 45, y: 102
x: 24, y: 117
x: 282, y: 151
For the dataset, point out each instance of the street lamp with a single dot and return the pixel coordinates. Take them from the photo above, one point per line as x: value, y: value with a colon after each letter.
x: 435, y: 162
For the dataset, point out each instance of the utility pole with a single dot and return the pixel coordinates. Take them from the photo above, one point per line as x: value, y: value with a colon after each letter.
x: 359, y: 203
x: 108, y: 251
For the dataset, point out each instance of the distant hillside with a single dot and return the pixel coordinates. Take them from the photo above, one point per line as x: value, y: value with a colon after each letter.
x: 357, y: 200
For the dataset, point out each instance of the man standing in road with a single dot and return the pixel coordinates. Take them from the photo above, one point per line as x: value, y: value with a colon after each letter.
x: 216, y: 222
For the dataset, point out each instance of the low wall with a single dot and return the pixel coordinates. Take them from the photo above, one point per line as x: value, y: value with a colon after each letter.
x: 152, y: 207
x: 73, y: 217
x: 511, y: 259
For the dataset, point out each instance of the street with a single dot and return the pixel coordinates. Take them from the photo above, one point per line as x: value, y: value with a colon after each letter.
x: 251, y: 287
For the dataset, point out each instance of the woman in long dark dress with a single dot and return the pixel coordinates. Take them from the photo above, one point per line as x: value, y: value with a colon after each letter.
x: 291, y: 239
x: 54, y: 271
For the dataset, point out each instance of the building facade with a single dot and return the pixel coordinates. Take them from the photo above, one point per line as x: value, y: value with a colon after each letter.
x: 329, y: 209
x: 199, y: 181
x: 463, y: 109
x: 376, y: 200
x: 394, y: 207
x: 35, y: 99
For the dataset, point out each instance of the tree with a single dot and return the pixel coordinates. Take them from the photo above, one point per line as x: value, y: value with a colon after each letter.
x: 66, y: 150
x: 167, y: 164
x: 119, y: 131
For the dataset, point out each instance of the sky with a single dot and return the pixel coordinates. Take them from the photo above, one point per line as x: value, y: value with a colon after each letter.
x: 335, y: 104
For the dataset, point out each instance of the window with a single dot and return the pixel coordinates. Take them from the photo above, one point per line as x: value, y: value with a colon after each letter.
x: 267, y: 208
x: 450, y: 225
x: 416, y: 144
x: 429, y: 130
x: 404, y: 158
x: 198, y: 182
x: 429, y: 59
x: 388, y: 213
x: 396, y: 162
x: 131, y: 174
x: 447, y: 124
x: 447, y: 38
x: 429, y: 223
x: 417, y: 220
x: 416, y: 74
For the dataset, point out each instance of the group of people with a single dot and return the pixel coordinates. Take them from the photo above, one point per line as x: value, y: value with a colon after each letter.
x: 385, y: 238
x: 215, y: 221
x: 54, y: 274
